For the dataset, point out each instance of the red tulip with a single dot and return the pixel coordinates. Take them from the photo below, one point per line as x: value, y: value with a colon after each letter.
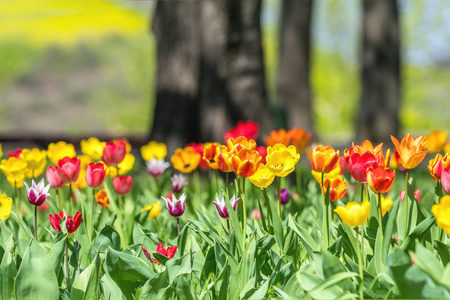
x: 359, y: 164
x: 15, y: 154
x: 68, y: 169
x: 114, y: 152
x: 122, y: 185
x: 169, y: 252
x: 249, y: 129
x: 54, y: 178
x: 54, y: 220
x: 72, y: 225
x: 445, y: 180
x: 263, y: 152
x: 95, y: 175
x: 380, y: 180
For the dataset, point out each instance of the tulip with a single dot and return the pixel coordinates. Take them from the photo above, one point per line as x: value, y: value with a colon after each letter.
x: 221, y: 207
x: 435, y: 141
x: 5, y: 207
x: 247, y: 129
x: 337, y: 187
x: 263, y: 177
x: 435, y: 167
x: 178, y: 182
x: 366, y: 146
x: 122, y: 185
x: 125, y: 166
x: 153, y: 150
x: 95, y: 175
x: 281, y: 160
x: 299, y: 138
x: 209, y: 153
x: 14, y: 170
x: 54, y: 220
x: 333, y: 174
x: 386, y: 204
x: 380, y: 180
x: 154, y: 210
x: 156, y: 167
x: 343, y: 165
x: 53, y: 178
x: 72, y: 225
x: 410, y: 151
x: 246, y: 162
x: 441, y: 213
x: 37, y: 193
x: 359, y: 164
x: 102, y: 198
x: 81, y: 182
x: 36, y: 161
x: 445, y: 180
x: 169, y: 252
x: 354, y: 214
x: 68, y: 169
x: 185, y: 160
x: 198, y: 147
x: 324, y: 159
x: 114, y: 152
x: 176, y: 206
x: 58, y: 151
x: 223, y: 159
x: 16, y: 153
x: 284, y: 196
x: 92, y: 147
x: 237, y: 144
x: 256, y: 214
x: 277, y: 137
x: 263, y: 152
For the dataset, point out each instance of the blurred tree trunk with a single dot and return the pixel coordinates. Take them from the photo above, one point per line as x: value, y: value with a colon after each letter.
x: 379, y: 105
x: 210, y: 70
x: 293, y: 85
x: 176, y: 27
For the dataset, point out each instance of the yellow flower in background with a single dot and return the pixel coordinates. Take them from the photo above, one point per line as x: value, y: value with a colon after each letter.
x: 14, y: 170
x: 125, y: 166
x: 435, y: 141
x: 281, y: 160
x: 333, y: 174
x: 81, y: 183
x: 185, y: 160
x: 1, y: 150
x: 153, y: 149
x: 354, y: 214
x: 263, y: 177
x: 102, y: 198
x: 386, y: 204
x: 441, y: 212
x: 93, y: 147
x: 36, y: 160
x: 154, y: 210
x: 447, y: 147
x: 5, y: 207
x: 58, y: 151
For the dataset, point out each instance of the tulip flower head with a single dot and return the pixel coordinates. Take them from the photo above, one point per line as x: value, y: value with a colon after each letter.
x: 156, y: 167
x: 435, y: 167
x: 359, y: 164
x: 16, y: 153
x: 53, y: 178
x: 102, y: 198
x: 324, y: 159
x: 122, y: 185
x: 114, y: 152
x: 14, y: 170
x: 153, y: 150
x: 68, y: 169
x: 299, y: 138
x: 284, y: 196
x: 209, y: 153
x: 185, y: 160
x: 222, y: 208
x: 37, y: 193
x: 256, y: 214
x: 281, y: 160
x: 247, y: 129
x: 125, y: 166
x: 178, y: 182
x: 169, y: 252
x: 95, y: 175
x: 435, y: 141
x: 58, y: 151
x: 277, y: 137
x: 365, y: 147
x: 5, y: 207
x: 386, y: 204
x: 333, y: 174
x: 263, y: 152
x: 235, y: 145
x: 337, y: 187
x: 176, y: 206
x: 223, y: 159
x: 354, y: 214
x: 409, y: 153
x: 441, y: 213
x: 380, y: 180
x: 36, y: 160
x: 263, y: 177
x: 92, y: 147
x: 203, y: 165
x: 246, y: 162
x: 154, y: 210
x: 71, y: 224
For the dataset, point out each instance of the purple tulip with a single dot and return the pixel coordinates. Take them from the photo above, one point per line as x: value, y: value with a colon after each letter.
x: 178, y: 183
x: 284, y: 196
x: 176, y: 206
x: 37, y: 193
x: 221, y: 207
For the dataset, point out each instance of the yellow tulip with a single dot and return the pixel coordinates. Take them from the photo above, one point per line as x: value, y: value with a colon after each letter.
x: 58, y: 151
x: 153, y: 149
x: 36, y: 160
x: 125, y: 166
x: 281, y: 160
x: 354, y: 214
x: 336, y: 173
x: 263, y: 177
x: 14, y: 170
x: 93, y: 147
x: 5, y: 207
x: 185, y: 160
x: 154, y: 210
x: 441, y: 212
x: 386, y: 204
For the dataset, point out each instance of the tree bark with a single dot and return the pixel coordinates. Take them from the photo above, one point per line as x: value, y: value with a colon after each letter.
x: 378, y: 116
x: 293, y: 84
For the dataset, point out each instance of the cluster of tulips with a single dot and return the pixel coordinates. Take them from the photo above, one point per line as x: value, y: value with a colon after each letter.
x: 240, y: 156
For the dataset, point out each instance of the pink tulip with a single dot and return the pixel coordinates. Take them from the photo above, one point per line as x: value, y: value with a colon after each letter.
x: 445, y: 179
x: 114, y: 152
x: 54, y: 178
x: 176, y: 206
x: 68, y: 169
x: 122, y: 185
x: 95, y: 175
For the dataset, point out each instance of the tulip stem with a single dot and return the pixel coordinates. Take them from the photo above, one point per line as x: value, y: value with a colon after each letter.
x: 16, y: 193
x: 71, y: 198
x: 66, y: 263
x: 361, y: 274
x: 244, y: 212
x: 298, y: 173
x: 59, y: 198
x: 217, y: 181
x: 279, y: 195
x: 228, y: 184
x: 91, y: 229
x: 229, y: 230
x: 325, y: 217
x: 406, y: 203
x: 268, y: 208
x: 380, y: 218
x: 178, y: 225
x: 35, y: 223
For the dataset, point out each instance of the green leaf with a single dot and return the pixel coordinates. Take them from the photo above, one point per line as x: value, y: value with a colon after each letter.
x: 378, y: 254
x: 107, y: 237
x: 36, y: 278
x: 304, y: 235
x: 154, y: 285
x: 23, y: 225
x: 391, y: 216
x: 276, y: 224
x: 443, y: 251
x: 8, y: 271
x: 87, y: 283
x: 111, y: 289
x: 56, y: 254
x: 179, y: 266
x: 397, y: 264
x: 236, y: 229
x: 418, y: 233
x: 428, y: 263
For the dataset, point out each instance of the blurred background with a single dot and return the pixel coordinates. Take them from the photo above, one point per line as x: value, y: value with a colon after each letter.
x: 73, y: 69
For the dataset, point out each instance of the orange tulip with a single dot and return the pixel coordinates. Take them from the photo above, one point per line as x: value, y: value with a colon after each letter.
x: 409, y: 152
x: 380, y: 180
x: 435, y: 167
x: 435, y: 141
x: 209, y: 153
x: 246, y: 162
x: 223, y: 159
x: 324, y: 159
x: 299, y: 138
x: 337, y: 187
x: 185, y: 160
x: 365, y: 146
x: 240, y: 143
x: 277, y: 137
